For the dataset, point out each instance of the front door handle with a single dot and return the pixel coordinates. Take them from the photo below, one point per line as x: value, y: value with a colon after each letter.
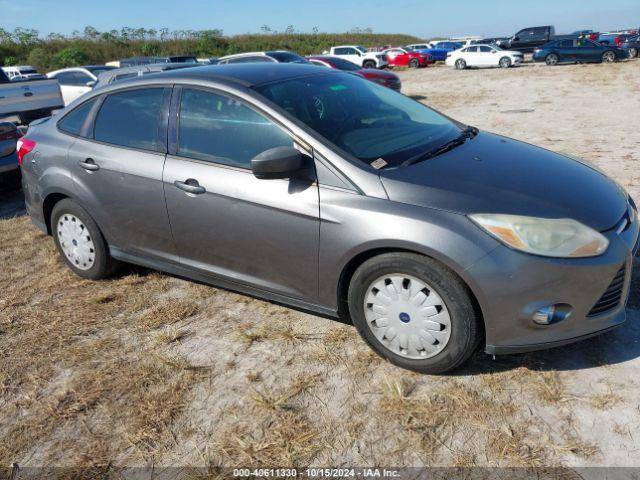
x: 190, y: 185
x: 89, y: 164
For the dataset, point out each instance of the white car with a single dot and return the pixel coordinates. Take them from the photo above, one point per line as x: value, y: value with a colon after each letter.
x: 22, y: 72
x: 479, y: 56
x: 77, y: 81
x: 359, y: 55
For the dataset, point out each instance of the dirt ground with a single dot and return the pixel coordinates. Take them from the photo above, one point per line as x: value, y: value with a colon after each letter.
x: 147, y: 369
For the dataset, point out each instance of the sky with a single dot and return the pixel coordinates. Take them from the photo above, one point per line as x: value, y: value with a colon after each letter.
x: 421, y: 18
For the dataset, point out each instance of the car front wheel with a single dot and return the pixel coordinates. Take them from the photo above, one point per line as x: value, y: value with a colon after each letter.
x: 80, y: 241
x: 414, y: 312
x: 505, y: 62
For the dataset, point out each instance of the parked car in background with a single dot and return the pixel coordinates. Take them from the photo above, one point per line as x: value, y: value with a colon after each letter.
x: 321, y: 190
x: 77, y: 81
x: 383, y: 77
x: 632, y: 46
x: 436, y: 54
x: 134, y: 61
x: 578, y: 50
x: 399, y: 57
x: 28, y: 99
x: 22, y: 72
x: 208, y: 60
x: 527, y: 39
x: 482, y: 56
x: 613, y: 39
x: 450, y: 45
x: 9, y: 170
x: 359, y: 55
x: 271, y: 56
x: 118, y: 74
x: 495, y: 41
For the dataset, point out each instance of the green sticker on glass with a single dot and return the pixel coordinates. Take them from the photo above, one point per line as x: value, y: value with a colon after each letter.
x: 337, y: 88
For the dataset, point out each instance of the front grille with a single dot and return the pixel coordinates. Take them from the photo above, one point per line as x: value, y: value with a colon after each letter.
x: 611, y: 297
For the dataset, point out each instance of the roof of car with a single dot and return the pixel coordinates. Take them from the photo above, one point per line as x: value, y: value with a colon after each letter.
x: 243, y: 74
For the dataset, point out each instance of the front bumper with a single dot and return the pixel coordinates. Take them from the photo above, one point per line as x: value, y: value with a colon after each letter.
x: 511, y: 286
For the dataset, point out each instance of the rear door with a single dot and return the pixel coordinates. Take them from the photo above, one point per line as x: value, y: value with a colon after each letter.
x: 472, y: 56
x: 118, y: 161
x: 225, y: 221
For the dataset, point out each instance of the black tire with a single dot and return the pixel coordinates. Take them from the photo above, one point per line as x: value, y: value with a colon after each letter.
x: 633, y: 52
x: 103, y: 264
x: 369, y: 64
x: 465, y: 323
x: 552, y: 59
x: 414, y: 63
x: 505, y: 62
x: 609, y: 56
x: 461, y: 64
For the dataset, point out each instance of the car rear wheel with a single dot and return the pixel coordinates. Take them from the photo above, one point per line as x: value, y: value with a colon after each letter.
x: 608, y: 57
x: 80, y: 241
x: 414, y: 63
x: 552, y: 59
x: 414, y: 312
x: 461, y: 64
x: 369, y: 64
x: 633, y: 52
x: 505, y: 62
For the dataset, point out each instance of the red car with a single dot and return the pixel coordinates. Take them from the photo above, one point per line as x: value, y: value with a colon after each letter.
x: 399, y: 57
x: 382, y: 77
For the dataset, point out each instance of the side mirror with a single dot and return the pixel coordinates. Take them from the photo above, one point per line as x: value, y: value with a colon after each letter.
x: 91, y: 83
x: 516, y: 39
x: 278, y: 162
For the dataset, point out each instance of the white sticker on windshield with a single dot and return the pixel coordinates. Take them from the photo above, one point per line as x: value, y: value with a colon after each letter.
x: 379, y: 163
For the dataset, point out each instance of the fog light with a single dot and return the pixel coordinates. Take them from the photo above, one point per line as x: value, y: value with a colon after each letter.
x: 551, y: 314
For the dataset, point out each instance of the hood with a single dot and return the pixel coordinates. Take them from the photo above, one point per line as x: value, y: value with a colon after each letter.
x: 494, y: 174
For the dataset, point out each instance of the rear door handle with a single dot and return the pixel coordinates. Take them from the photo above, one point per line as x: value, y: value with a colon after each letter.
x: 89, y: 164
x: 190, y: 185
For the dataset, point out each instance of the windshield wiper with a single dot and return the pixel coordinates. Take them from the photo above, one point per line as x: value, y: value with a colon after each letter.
x: 466, y: 134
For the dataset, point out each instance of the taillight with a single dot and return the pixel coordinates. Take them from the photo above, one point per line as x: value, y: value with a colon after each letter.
x: 23, y: 147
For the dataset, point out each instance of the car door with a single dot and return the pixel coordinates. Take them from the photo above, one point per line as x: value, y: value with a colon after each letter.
x: 487, y: 56
x: 471, y: 56
x: 352, y: 55
x: 396, y: 58
x: 225, y: 221
x: 117, y: 165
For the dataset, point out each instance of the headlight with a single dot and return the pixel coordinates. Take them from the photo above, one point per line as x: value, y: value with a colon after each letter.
x: 549, y: 237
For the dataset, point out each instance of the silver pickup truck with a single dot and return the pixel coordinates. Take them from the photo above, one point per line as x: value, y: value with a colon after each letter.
x: 28, y: 99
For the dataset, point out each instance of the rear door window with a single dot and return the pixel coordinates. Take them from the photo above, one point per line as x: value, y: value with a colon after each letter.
x: 220, y: 129
x: 134, y: 119
x: 74, y: 121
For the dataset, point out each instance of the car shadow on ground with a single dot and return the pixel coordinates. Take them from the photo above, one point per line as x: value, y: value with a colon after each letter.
x: 617, y: 346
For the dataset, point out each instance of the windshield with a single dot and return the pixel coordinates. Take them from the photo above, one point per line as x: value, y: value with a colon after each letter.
x: 369, y: 121
x: 287, y: 57
x: 362, y: 49
x: 342, y: 64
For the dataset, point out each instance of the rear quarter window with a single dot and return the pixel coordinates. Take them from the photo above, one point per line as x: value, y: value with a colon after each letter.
x: 75, y: 121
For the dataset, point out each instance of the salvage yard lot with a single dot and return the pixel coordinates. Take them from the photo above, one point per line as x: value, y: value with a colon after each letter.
x: 149, y: 369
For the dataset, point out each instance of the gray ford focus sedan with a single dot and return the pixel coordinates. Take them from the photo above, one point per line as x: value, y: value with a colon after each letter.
x: 326, y: 192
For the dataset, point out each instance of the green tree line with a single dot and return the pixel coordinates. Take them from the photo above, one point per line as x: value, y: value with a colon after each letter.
x: 90, y: 46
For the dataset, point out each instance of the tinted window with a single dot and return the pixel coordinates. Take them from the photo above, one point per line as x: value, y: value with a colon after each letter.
x: 566, y: 44
x: 223, y: 130
x: 287, y: 57
x: 361, y: 117
x: 472, y: 50
x: 3, y: 77
x: 100, y: 69
x: 341, y: 51
x: 485, y: 49
x: 74, y: 121
x: 132, y: 119
x: 255, y: 59
x: 342, y: 64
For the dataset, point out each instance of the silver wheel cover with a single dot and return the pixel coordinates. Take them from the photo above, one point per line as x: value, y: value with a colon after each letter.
x: 407, y: 316
x: 76, y: 242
